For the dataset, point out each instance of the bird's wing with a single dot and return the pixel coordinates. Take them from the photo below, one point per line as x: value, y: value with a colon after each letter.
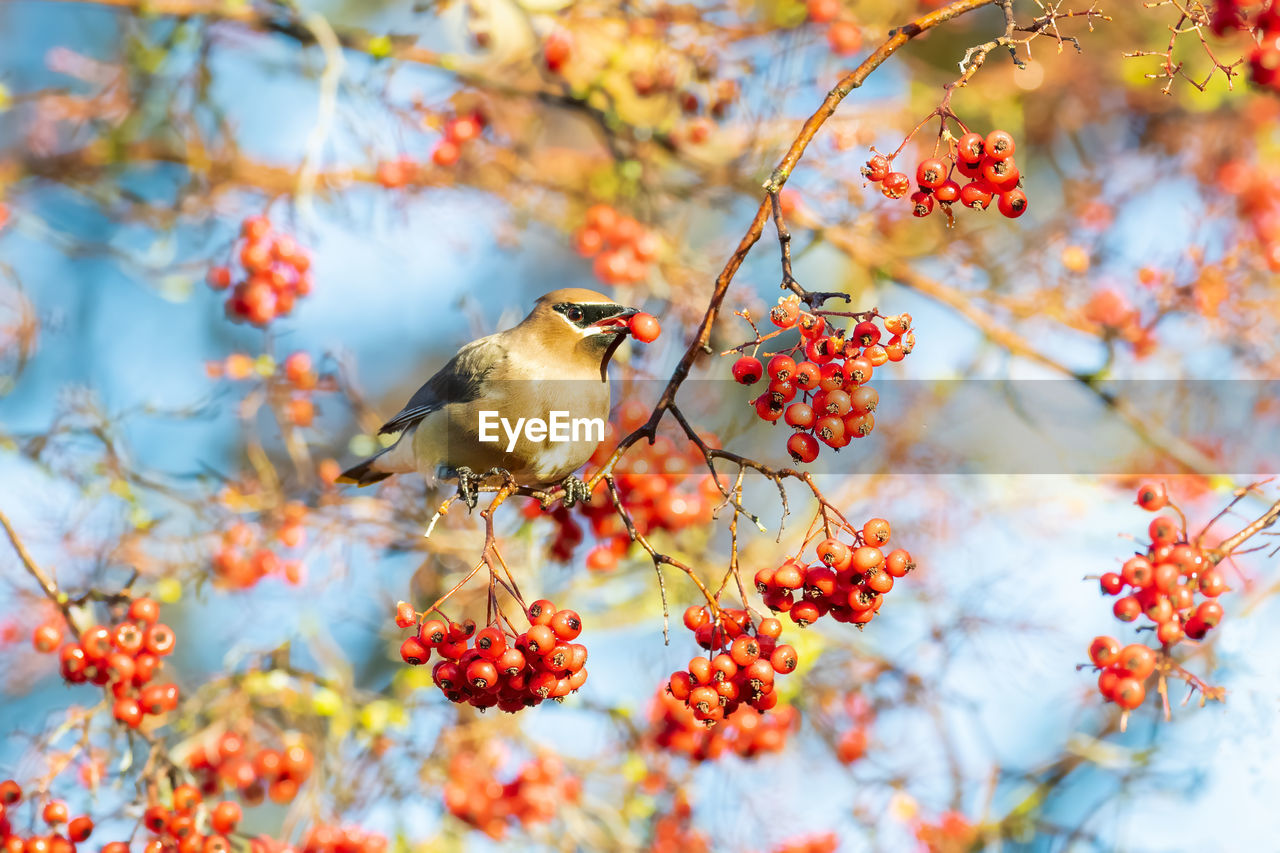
x: 459, y: 381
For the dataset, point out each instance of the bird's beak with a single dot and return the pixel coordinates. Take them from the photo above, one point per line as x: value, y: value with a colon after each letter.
x: 615, y: 323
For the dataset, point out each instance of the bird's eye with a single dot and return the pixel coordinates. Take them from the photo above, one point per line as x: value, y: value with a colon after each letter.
x: 574, y: 313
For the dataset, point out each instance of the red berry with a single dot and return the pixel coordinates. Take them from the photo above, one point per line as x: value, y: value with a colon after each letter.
x: 1169, y: 632
x: 55, y: 812
x: 1001, y: 174
x: 160, y: 639
x: 976, y: 195
x: 969, y: 148
x: 566, y: 624
x: 1012, y: 203
x: 803, y: 447
x: 1163, y: 529
x: 695, y: 617
x: 784, y: 659
x: 895, y: 185
x: 446, y: 153
x: 1111, y: 583
x: 747, y: 370
x: 1127, y: 609
x: 1103, y: 651
x: 46, y: 637
x: 800, y: 416
x: 921, y: 203
x: 898, y: 563
x: 948, y: 191
x: 781, y: 367
x: 644, y: 327
x: 218, y: 278
x: 1138, y: 572
x: 1210, y: 613
x: 998, y: 145
x: 822, y: 11
x: 1136, y: 660
x: 413, y: 652
x: 1152, y: 498
x: 876, y: 169
x: 127, y: 710
x: 834, y: 553
x: 931, y: 173
x: 1212, y: 583
x: 556, y: 50
x: 144, y: 610
x: 80, y: 828
x: 1129, y: 693
x: 225, y: 817
x: 844, y: 37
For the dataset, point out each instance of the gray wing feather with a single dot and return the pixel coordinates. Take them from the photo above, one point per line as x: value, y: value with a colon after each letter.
x: 459, y: 381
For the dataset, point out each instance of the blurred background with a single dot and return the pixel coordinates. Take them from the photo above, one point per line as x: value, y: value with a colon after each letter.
x: 439, y: 165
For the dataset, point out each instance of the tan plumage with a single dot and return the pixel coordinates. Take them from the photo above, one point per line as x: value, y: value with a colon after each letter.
x: 553, y: 360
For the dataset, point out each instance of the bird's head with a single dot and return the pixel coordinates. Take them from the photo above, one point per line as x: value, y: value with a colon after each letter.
x: 586, y: 323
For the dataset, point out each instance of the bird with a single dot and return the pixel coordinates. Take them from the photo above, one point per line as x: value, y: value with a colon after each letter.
x: 555, y: 360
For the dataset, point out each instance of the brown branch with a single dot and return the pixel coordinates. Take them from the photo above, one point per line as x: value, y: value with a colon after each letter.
x: 1261, y: 523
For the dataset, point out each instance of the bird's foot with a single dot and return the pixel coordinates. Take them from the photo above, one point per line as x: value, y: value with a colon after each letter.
x: 468, y: 485
x: 574, y: 490
x: 469, y: 482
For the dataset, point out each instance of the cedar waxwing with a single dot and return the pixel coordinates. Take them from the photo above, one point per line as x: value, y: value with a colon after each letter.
x: 466, y: 421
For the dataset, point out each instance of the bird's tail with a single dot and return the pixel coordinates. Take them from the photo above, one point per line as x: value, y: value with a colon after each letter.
x: 364, y: 474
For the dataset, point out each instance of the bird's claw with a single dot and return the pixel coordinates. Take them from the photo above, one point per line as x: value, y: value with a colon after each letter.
x: 469, y: 483
x: 574, y: 490
x: 468, y: 486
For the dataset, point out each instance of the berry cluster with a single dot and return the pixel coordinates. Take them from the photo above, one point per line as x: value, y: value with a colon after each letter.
x: 623, y: 248
x: 243, y: 558
x: 328, y: 838
x: 64, y: 831
x: 848, y: 581
x: 659, y: 484
x: 1174, y: 585
x: 674, y: 727
x: 951, y: 833
x: 1263, y: 23
x: 1119, y: 319
x: 276, y: 272
x: 673, y: 832
x: 178, y: 826
x: 474, y: 795
x: 827, y: 842
x: 457, y: 132
x: 124, y: 657
x: 1257, y: 191
x: 483, y: 669
x: 239, y: 763
x: 740, y: 671
x: 299, y: 372
x: 844, y: 36
x: 822, y: 392
x: 985, y: 163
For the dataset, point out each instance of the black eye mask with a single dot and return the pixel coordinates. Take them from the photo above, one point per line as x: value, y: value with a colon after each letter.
x: 590, y: 314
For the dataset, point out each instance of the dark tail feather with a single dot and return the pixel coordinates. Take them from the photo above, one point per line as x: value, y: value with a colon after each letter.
x: 363, y: 474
